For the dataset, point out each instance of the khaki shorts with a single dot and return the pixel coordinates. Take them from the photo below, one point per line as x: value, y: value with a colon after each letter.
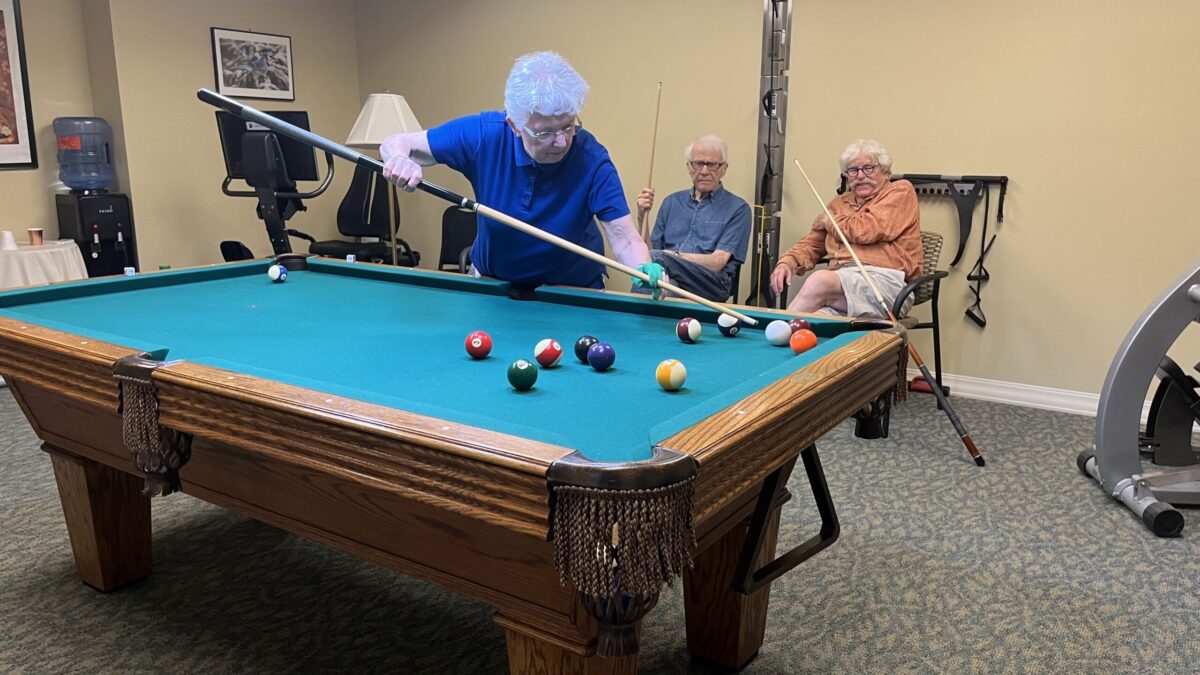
x: 860, y: 299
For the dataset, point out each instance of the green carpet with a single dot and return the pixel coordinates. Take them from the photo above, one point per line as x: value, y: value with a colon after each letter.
x: 942, y: 567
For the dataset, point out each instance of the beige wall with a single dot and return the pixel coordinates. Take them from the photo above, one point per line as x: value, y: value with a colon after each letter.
x: 451, y: 59
x: 163, y: 55
x: 1086, y: 106
x: 139, y: 65
x: 58, y: 87
x: 1081, y: 104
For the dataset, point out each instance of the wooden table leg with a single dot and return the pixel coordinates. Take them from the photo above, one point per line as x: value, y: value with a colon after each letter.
x: 108, y: 519
x: 725, y: 626
x: 533, y: 651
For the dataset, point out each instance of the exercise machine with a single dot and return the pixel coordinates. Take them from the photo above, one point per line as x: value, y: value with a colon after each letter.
x: 1116, y: 462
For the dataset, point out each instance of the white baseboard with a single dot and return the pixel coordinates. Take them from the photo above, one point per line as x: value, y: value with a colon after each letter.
x: 1027, y: 395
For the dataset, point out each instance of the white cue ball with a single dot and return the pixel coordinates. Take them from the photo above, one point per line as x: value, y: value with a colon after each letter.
x: 779, y: 333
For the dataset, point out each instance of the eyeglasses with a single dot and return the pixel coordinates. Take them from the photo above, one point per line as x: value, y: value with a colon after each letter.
x: 568, y: 131
x: 865, y: 170
x: 711, y: 166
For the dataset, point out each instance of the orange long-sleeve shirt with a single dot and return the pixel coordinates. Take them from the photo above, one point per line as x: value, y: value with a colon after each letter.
x: 885, y: 231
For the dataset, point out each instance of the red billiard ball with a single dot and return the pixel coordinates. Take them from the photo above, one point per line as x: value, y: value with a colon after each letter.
x: 803, y: 340
x: 479, y: 344
x: 799, y: 324
x: 688, y: 330
x: 548, y: 353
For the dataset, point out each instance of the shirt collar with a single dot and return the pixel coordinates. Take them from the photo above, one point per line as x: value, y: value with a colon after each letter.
x: 852, y: 199
x: 714, y: 196
x: 522, y: 158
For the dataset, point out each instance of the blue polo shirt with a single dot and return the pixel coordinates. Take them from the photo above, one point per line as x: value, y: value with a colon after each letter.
x: 564, y: 198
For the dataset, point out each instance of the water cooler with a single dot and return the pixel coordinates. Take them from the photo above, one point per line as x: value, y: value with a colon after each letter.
x: 100, y: 222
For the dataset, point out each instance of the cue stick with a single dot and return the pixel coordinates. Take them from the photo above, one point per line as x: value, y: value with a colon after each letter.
x: 643, y: 222
x: 937, y: 390
x: 309, y: 138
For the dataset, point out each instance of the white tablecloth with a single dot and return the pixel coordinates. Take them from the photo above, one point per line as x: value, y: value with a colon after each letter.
x: 31, y: 265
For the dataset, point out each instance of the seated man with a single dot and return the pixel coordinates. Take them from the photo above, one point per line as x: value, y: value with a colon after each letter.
x: 882, y: 222
x: 700, y: 235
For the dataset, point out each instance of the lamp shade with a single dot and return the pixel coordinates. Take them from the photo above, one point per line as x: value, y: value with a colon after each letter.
x: 382, y: 115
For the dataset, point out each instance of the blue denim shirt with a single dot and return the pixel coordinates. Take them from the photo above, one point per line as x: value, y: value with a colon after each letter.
x: 720, y: 220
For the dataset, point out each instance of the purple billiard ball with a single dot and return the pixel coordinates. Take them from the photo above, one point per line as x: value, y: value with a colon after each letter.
x: 601, y: 356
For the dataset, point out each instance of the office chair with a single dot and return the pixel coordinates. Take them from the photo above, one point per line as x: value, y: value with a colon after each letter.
x: 364, y: 213
x: 233, y: 251
x: 458, y: 235
x: 733, y: 286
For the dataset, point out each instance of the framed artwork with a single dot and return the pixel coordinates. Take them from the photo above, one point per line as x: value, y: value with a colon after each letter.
x: 17, y: 148
x: 253, y: 65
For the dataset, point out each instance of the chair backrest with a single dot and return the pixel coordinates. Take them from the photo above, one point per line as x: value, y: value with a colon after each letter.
x: 458, y: 233
x: 364, y: 210
x: 931, y: 242
x: 235, y: 250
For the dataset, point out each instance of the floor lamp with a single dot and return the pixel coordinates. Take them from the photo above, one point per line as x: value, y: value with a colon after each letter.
x: 381, y: 116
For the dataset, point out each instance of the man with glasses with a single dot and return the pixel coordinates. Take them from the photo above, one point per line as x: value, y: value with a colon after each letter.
x: 880, y: 219
x: 536, y: 163
x: 700, y: 234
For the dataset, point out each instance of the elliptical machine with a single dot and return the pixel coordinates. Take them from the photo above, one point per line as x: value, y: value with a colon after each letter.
x: 1116, y: 462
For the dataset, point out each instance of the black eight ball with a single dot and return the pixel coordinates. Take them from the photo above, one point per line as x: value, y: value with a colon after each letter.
x: 582, y: 345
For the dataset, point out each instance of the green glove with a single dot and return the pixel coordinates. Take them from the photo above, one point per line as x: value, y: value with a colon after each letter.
x: 655, y: 272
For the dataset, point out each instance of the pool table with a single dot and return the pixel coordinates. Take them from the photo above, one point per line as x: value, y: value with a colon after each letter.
x: 342, y: 406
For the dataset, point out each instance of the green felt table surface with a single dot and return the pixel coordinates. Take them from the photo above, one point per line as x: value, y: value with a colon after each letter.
x: 396, y: 337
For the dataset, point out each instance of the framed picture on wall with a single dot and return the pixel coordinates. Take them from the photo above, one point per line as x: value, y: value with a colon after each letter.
x: 17, y: 148
x: 253, y: 65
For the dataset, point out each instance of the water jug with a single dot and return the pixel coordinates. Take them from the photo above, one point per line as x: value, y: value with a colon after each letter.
x: 83, y: 152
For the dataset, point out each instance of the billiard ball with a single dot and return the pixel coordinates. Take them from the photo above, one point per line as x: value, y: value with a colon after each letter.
x: 601, y: 356
x: 548, y: 353
x: 778, y: 333
x: 479, y: 344
x: 522, y: 374
x: 670, y: 375
x: 582, y: 345
x: 688, y: 330
x: 799, y: 324
x: 277, y: 273
x: 728, y: 325
x: 803, y: 340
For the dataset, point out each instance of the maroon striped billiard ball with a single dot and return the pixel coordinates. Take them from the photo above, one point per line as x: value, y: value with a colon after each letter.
x: 799, y: 324
x: 688, y: 330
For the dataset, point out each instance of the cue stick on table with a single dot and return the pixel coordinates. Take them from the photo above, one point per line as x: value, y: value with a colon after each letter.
x: 937, y: 390
x: 644, y: 219
x: 309, y: 138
